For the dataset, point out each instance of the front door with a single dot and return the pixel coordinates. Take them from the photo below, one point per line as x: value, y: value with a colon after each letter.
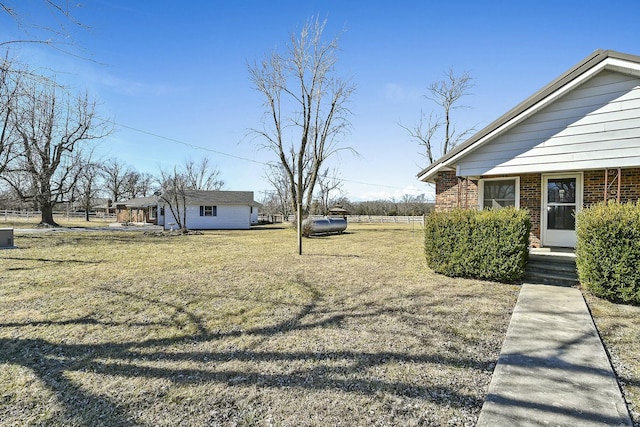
x: 561, y: 200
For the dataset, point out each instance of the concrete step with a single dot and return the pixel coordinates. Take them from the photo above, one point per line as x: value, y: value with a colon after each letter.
x: 549, y: 278
x: 551, y: 270
x: 560, y: 268
x: 552, y: 259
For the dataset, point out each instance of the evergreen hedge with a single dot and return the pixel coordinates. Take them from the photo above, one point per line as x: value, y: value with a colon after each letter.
x: 608, y: 251
x: 490, y: 244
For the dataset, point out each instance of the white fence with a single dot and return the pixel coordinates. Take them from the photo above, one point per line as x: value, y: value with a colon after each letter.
x: 7, y: 215
x: 362, y: 219
x: 379, y: 219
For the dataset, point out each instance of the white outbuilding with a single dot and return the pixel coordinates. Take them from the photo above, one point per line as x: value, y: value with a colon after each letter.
x: 209, y: 210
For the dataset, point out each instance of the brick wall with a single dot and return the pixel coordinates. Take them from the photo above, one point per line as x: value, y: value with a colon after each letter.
x: 531, y: 199
x: 594, y: 186
x: 133, y: 215
x: 453, y: 192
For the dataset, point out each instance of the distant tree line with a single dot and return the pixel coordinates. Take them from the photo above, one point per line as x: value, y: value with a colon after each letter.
x: 48, y: 139
x: 104, y: 183
x: 49, y: 133
x: 407, y: 205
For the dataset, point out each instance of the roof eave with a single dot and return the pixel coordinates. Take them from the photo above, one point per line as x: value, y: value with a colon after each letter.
x: 524, y: 109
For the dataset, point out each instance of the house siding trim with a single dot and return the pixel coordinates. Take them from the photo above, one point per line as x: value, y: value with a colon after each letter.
x: 595, y: 126
x: 583, y: 71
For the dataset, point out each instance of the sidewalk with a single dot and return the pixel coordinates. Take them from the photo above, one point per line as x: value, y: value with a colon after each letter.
x: 553, y: 369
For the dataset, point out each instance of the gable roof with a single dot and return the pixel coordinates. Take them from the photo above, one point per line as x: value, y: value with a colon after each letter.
x: 197, y: 197
x: 200, y: 197
x: 585, y: 69
x: 138, y: 202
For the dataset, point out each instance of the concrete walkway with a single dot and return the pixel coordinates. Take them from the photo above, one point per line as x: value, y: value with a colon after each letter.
x: 553, y: 370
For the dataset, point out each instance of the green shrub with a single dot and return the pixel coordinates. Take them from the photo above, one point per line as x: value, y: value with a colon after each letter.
x: 491, y: 245
x: 608, y: 251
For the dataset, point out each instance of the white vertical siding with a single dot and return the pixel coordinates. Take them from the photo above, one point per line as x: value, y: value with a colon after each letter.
x: 254, y: 215
x: 596, y: 125
x: 229, y: 217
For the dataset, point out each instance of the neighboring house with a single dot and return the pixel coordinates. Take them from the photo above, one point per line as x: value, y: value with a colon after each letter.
x: 573, y: 143
x: 104, y: 206
x: 211, y: 210
x: 139, y: 210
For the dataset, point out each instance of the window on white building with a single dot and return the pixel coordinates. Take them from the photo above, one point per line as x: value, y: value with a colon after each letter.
x: 498, y: 193
x: 208, y: 210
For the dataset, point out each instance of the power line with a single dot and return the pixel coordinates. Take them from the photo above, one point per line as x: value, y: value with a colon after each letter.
x: 198, y: 147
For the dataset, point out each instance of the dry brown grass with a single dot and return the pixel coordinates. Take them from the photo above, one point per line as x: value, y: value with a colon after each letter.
x: 233, y: 328
x: 61, y: 219
x: 619, y: 327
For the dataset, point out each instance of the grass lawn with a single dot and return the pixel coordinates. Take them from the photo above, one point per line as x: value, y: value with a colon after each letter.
x: 233, y: 328
x: 619, y: 327
x: 61, y: 219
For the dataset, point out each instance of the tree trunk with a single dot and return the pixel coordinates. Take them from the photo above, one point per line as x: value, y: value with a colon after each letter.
x: 299, y: 209
x: 47, y: 215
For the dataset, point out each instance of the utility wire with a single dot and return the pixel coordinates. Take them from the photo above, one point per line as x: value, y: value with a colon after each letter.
x: 198, y: 147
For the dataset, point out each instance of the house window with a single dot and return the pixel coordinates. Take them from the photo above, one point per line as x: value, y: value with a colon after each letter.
x: 208, y: 211
x: 498, y: 193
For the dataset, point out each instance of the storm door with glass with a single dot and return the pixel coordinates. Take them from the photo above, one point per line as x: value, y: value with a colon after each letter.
x: 562, y: 199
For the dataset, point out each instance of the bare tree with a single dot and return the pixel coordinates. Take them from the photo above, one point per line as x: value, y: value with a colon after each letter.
x: 38, y: 31
x: 277, y: 177
x: 9, y: 93
x: 425, y: 131
x: 122, y: 181
x: 174, y: 195
x: 329, y: 184
x: 53, y: 127
x: 202, y: 175
x: 88, y: 187
x: 114, y: 174
x: 146, y: 184
x: 305, y: 110
x: 178, y: 182
x: 131, y: 184
x: 446, y: 94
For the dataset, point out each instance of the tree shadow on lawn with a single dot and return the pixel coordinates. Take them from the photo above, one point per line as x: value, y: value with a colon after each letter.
x: 51, y: 362
x: 59, y: 261
x: 45, y: 261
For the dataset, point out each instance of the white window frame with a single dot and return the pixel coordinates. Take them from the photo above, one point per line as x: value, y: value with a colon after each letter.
x: 213, y: 210
x: 502, y: 178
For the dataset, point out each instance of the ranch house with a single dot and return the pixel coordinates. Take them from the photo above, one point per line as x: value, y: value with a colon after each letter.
x: 139, y: 210
x: 573, y: 143
x: 211, y: 210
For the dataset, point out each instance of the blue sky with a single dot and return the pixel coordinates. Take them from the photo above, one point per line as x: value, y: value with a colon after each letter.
x: 178, y: 70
